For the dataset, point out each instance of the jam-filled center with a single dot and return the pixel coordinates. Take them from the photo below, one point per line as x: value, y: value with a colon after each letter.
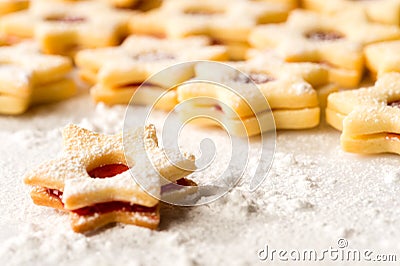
x: 324, y: 35
x: 395, y: 104
x: 108, y: 170
x: 66, y: 19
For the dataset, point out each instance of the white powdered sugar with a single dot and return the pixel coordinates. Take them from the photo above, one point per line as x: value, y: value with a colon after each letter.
x: 314, y: 194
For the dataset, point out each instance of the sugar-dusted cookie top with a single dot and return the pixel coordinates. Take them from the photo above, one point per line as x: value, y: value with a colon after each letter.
x: 369, y: 117
x: 383, y: 57
x: 139, y: 57
x: 284, y: 85
x: 370, y: 110
x: 75, y: 172
x: 334, y: 41
x: 382, y: 11
x: 63, y: 27
x: 29, y: 77
x: 226, y: 20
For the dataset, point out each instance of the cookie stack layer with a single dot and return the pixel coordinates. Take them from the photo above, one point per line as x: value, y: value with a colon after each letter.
x: 118, y: 72
x: 92, y: 180
x: 227, y: 22
x: 369, y: 117
x: 28, y: 77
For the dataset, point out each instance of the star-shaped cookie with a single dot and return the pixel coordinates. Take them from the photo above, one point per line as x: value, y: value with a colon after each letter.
x: 92, y: 179
x: 290, y: 88
x: 227, y: 22
x: 369, y: 117
x: 28, y: 77
x: 383, y: 11
x: 65, y: 27
x: 119, y: 71
x: 336, y: 42
x: 221, y: 20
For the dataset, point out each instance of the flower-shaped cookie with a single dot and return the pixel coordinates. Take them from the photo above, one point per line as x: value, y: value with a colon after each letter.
x: 119, y: 71
x: 336, y: 42
x: 383, y: 11
x: 28, y: 77
x: 64, y: 27
x: 369, y: 117
x: 92, y: 182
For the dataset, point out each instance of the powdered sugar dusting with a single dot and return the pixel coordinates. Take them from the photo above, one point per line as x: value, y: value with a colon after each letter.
x: 314, y: 194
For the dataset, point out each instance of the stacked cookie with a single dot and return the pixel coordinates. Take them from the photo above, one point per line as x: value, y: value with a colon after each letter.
x: 226, y: 22
x: 296, y: 52
x: 282, y: 62
x: 28, y: 77
x: 288, y: 88
x: 118, y: 72
x: 92, y: 180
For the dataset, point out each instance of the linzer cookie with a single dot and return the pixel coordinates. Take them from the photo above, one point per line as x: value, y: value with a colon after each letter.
x: 118, y: 72
x: 28, y: 77
x: 64, y: 27
x: 224, y: 21
x: 293, y: 100
x: 382, y: 11
x: 317, y: 75
x: 341, y: 104
x: 336, y: 42
x: 92, y: 179
x: 383, y: 57
x: 9, y: 6
x: 371, y: 116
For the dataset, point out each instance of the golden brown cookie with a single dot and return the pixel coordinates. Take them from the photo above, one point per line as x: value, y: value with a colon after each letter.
x: 28, y: 77
x: 92, y: 179
x: 383, y: 11
x: 65, y: 27
x: 369, y: 117
x: 293, y: 100
x: 118, y: 72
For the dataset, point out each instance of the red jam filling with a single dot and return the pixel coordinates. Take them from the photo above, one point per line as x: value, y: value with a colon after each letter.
x: 176, y: 186
x: 66, y: 19
x: 104, y: 207
x: 136, y: 84
x: 218, y: 108
x: 111, y: 206
x: 55, y: 193
x: 324, y: 35
x: 106, y: 171
x: 109, y: 170
x: 186, y: 182
x: 392, y: 137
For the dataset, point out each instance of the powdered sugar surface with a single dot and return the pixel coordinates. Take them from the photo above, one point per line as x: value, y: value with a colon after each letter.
x: 314, y: 194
